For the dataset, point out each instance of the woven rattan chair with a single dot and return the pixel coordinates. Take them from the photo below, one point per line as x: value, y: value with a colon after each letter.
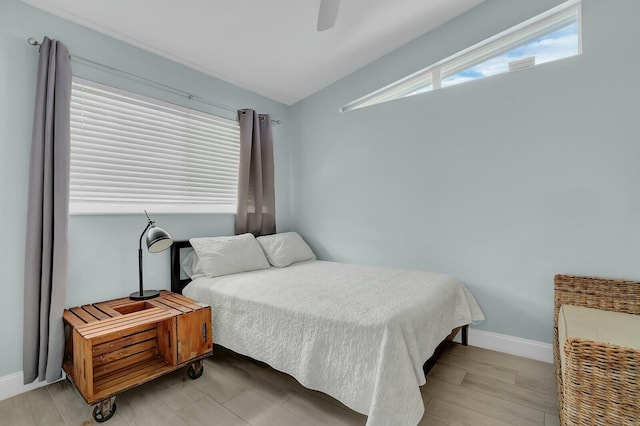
x: 601, y: 383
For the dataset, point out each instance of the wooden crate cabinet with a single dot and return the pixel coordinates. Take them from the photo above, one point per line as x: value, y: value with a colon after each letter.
x: 115, y: 345
x: 194, y: 333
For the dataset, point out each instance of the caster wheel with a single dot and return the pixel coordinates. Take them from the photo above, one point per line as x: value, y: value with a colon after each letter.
x: 99, y: 416
x: 193, y: 374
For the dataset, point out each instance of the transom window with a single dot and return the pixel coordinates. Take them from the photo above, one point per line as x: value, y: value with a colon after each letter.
x: 130, y: 153
x: 550, y: 36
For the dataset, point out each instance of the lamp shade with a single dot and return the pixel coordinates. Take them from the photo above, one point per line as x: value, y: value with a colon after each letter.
x: 158, y: 239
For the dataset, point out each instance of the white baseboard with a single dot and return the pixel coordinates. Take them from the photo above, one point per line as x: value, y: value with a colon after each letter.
x: 11, y: 385
x: 509, y: 344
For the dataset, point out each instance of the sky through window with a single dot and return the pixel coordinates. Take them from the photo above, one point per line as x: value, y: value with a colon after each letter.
x: 550, y: 36
x: 559, y: 44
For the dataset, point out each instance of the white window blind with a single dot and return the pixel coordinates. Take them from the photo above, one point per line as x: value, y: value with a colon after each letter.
x: 130, y: 153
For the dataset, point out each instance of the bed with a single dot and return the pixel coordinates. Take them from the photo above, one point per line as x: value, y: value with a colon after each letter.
x: 359, y: 333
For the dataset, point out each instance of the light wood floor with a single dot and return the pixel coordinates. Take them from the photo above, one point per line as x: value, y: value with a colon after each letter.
x: 468, y: 386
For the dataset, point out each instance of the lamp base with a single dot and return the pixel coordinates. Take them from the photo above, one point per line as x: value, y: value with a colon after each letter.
x: 146, y: 294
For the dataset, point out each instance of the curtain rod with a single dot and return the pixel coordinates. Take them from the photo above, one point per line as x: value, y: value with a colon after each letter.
x: 34, y: 42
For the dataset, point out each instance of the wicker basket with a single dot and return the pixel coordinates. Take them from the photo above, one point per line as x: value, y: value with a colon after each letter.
x: 601, y: 385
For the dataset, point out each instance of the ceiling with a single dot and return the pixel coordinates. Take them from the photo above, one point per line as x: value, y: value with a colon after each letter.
x: 270, y: 47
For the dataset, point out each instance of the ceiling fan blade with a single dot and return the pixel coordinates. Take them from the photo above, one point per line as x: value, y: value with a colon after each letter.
x: 327, y: 14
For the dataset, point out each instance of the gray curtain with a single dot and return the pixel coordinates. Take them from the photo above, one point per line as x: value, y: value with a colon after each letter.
x: 256, y: 196
x: 47, y: 247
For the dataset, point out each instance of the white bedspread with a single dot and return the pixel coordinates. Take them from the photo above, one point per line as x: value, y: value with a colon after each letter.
x: 360, y: 334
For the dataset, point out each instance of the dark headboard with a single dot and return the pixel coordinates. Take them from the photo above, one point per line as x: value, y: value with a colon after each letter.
x: 177, y: 284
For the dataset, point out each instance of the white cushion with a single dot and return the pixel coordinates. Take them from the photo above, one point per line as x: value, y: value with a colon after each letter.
x: 229, y: 255
x: 615, y: 328
x: 191, y: 265
x: 285, y: 248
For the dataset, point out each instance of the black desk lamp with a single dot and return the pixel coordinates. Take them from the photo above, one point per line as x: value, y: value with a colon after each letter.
x: 157, y: 240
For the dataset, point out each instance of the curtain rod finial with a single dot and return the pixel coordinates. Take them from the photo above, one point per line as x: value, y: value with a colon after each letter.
x: 33, y: 42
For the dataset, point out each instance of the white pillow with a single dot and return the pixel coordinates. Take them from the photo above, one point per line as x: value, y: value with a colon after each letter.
x: 285, y: 248
x: 229, y: 255
x: 191, y: 265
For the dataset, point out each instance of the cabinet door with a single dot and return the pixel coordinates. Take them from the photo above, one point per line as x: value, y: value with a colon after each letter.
x: 194, y: 334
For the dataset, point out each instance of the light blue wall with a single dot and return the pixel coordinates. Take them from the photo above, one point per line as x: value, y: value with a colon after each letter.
x: 502, y: 182
x: 103, y: 252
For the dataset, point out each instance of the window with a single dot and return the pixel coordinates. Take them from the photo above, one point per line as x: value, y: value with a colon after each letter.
x: 547, y: 37
x: 130, y: 153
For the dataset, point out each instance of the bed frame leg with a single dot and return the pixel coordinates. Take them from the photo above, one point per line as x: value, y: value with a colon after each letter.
x: 441, y: 347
